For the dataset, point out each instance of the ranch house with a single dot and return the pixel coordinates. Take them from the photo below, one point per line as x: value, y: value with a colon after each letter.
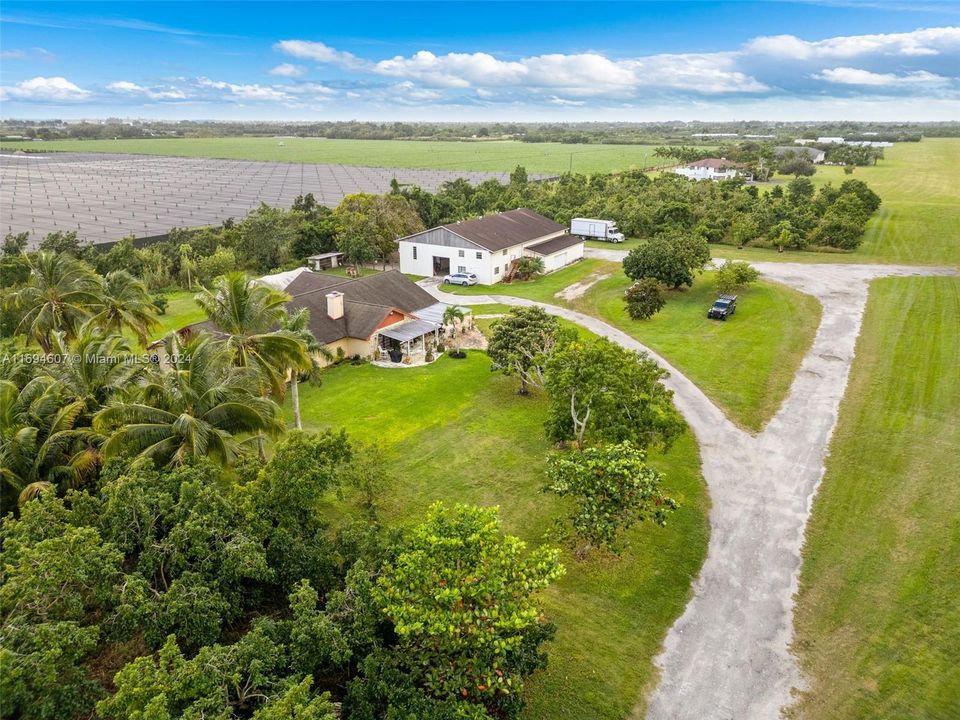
x: 489, y: 247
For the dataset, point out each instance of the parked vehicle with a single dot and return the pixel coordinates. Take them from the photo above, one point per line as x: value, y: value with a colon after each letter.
x: 461, y: 279
x: 724, y: 307
x: 596, y: 229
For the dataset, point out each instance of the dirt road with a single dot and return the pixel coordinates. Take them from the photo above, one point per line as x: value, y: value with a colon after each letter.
x: 727, y: 656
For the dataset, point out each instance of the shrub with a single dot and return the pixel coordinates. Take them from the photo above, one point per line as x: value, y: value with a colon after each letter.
x: 527, y: 267
x: 160, y: 302
x: 457, y: 354
x: 734, y: 274
x: 643, y: 299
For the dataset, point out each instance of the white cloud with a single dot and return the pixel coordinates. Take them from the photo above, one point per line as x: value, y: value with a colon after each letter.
x: 306, y: 88
x: 584, y: 74
x: 554, y: 100
x: 918, y: 43
x: 130, y: 88
x: 856, y: 76
x: 288, y: 70
x: 245, y: 92
x: 410, y: 91
x: 318, y: 52
x: 34, y: 53
x: 44, y: 89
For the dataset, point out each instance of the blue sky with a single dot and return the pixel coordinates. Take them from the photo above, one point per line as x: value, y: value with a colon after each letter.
x: 482, y: 61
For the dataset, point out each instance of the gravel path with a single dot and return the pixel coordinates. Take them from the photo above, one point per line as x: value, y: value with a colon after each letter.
x: 727, y: 657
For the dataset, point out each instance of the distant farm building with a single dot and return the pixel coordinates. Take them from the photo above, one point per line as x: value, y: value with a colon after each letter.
x: 813, y: 154
x: 489, y: 247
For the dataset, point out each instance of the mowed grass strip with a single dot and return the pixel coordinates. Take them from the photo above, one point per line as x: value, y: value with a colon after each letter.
x: 488, y: 155
x: 456, y: 432
x: 746, y: 364
x: 878, y: 611
x: 543, y: 288
x: 919, y: 221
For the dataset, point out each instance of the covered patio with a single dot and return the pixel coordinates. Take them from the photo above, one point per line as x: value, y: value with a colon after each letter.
x: 408, y: 339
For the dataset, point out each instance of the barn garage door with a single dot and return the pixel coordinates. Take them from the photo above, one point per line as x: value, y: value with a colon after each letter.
x: 560, y: 260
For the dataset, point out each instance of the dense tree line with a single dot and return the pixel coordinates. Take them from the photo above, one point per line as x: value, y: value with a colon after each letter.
x: 795, y: 215
x: 579, y: 132
x: 155, y: 563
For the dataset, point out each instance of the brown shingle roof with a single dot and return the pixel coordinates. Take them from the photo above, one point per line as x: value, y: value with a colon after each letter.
x: 506, y: 229
x: 549, y: 247
x: 367, y: 301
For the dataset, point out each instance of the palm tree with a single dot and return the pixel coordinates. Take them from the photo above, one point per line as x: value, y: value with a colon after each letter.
x: 95, y: 368
x: 298, y: 324
x: 124, y: 304
x: 194, y: 409
x: 249, y: 314
x: 451, y: 316
x: 40, y: 440
x: 59, y: 295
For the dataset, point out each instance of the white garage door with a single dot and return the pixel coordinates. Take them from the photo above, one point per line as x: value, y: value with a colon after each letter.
x: 560, y: 260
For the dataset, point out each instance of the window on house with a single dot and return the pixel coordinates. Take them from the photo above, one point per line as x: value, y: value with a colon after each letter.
x: 504, y: 252
x: 459, y: 253
x: 461, y: 268
x: 496, y: 270
x: 479, y: 256
x: 414, y: 252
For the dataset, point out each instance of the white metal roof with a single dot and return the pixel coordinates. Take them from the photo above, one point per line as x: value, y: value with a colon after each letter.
x: 434, y: 313
x: 409, y: 330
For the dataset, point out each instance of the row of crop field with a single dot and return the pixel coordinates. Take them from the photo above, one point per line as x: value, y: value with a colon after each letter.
x: 493, y: 155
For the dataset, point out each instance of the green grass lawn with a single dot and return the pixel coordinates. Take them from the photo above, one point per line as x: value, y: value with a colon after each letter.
x: 543, y: 288
x: 745, y: 365
x: 457, y: 432
x: 919, y: 221
x: 494, y: 155
x: 878, y: 613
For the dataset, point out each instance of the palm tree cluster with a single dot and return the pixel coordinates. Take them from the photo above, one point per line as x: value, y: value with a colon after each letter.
x: 214, y: 395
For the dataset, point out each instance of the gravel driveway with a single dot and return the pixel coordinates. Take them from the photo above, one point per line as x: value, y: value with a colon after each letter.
x: 727, y: 656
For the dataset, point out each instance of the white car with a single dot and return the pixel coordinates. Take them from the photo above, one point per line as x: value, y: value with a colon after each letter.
x: 461, y: 279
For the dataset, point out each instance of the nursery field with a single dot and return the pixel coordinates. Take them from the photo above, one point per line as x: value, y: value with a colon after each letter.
x: 490, y: 155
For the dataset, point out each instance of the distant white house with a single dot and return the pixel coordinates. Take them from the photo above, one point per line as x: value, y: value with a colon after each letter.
x: 489, y: 246
x: 830, y: 141
x: 712, y: 169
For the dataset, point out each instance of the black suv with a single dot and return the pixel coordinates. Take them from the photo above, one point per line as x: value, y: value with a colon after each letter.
x: 724, y: 307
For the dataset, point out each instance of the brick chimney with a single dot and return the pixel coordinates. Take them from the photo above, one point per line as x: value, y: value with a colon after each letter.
x: 335, y: 305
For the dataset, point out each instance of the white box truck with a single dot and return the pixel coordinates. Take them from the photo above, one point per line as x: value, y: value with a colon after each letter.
x: 597, y: 229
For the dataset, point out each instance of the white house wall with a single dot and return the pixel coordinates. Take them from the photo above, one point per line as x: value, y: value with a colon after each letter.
x: 474, y: 259
x: 489, y: 267
x: 563, y: 258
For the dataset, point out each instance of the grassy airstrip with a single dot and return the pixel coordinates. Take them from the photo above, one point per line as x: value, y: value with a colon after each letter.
x: 492, y: 155
x: 878, y: 615
x: 457, y: 432
x: 919, y: 221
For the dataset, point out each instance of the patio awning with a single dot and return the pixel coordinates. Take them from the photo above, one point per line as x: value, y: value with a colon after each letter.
x: 434, y: 313
x: 409, y: 330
